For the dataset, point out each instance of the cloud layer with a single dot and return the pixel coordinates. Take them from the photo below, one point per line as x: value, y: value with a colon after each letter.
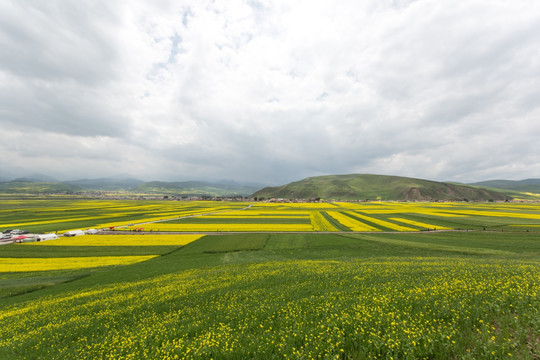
x: 271, y: 91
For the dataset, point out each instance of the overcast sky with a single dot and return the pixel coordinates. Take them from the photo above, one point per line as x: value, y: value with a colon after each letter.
x: 270, y: 91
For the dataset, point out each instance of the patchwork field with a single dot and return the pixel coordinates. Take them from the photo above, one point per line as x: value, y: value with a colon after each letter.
x: 388, y: 293
x: 219, y: 216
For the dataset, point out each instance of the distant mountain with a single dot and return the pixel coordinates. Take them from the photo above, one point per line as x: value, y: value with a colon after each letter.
x: 185, y: 188
x: 32, y: 187
x: 527, y: 185
x: 381, y: 187
x: 36, y: 177
x: 195, y: 188
x: 111, y: 184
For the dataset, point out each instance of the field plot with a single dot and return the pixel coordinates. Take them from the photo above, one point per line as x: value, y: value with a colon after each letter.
x: 447, y: 295
x: 119, y: 240
x: 361, y: 217
x: 50, y: 262
x: 10, y: 265
x: 219, y: 216
x: 62, y: 215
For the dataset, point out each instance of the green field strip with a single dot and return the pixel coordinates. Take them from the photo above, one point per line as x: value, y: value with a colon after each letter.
x: 227, y: 243
x: 433, y: 219
x: 334, y: 222
x: 45, y: 251
x: 14, y: 286
x: 417, y: 224
x: 287, y: 241
x: 437, y: 247
x: 515, y: 242
x: 333, y: 242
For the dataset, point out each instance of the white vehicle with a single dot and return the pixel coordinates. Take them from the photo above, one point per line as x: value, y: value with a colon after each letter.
x: 91, y: 231
x: 44, y: 237
x: 74, y: 233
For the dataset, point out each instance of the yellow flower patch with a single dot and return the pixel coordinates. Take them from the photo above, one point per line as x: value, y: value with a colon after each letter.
x: 418, y: 223
x: 121, y: 240
x: 67, y: 263
x: 224, y: 227
x: 351, y: 223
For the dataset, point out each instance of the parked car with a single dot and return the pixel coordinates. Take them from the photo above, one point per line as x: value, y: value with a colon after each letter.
x: 7, y: 231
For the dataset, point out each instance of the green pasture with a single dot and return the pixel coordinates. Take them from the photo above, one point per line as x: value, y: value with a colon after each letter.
x: 428, y: 295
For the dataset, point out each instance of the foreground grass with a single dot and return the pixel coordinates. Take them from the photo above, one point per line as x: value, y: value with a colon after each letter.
x: 401, y: 296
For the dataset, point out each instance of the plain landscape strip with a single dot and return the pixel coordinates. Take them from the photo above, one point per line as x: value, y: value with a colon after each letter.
x: 432, y: 246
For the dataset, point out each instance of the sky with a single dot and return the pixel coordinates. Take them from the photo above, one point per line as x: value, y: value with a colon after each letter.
x: 270, y: 91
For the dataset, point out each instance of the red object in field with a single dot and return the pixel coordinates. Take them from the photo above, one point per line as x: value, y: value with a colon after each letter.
x: 111, y: 227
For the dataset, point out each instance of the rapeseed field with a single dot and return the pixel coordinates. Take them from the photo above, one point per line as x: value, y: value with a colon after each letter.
x: 10, y: 265
x: 212, y: 216
x: 407, y: 308
x: 392, y: 294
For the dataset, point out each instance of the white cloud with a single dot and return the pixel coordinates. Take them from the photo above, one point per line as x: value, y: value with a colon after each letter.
x: 273, y: 91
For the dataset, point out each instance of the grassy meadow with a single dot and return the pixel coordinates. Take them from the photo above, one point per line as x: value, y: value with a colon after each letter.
x: 387, y: 293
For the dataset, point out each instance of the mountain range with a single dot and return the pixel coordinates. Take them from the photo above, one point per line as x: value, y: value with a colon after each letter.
x: 29, y: 185
x: 330, y: 187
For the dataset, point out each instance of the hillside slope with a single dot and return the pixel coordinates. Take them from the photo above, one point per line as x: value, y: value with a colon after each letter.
x: 30, y: 187
x: 527, y: 185
x: 112, y: 184
x: 381, y: 187
x: 194, y: 188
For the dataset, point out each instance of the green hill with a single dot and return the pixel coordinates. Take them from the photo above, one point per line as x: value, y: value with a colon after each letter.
x: 194, y: 188
x: 377, y: 187
x: 106, y: 184
x: 527, y: 185
x: 30, y: 187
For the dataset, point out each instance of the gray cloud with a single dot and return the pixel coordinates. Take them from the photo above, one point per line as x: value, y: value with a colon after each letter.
x: 272, y: 91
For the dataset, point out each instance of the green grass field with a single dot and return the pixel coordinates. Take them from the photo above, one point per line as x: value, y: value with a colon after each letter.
x: 452, y: 295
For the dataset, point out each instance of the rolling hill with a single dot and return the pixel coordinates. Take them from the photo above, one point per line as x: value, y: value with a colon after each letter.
x: 195, y: 188
x: 377, y: 187
x: 527, y: 185
x: 31, y: 187
x: 111, y: 184
x: 184, y: 188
